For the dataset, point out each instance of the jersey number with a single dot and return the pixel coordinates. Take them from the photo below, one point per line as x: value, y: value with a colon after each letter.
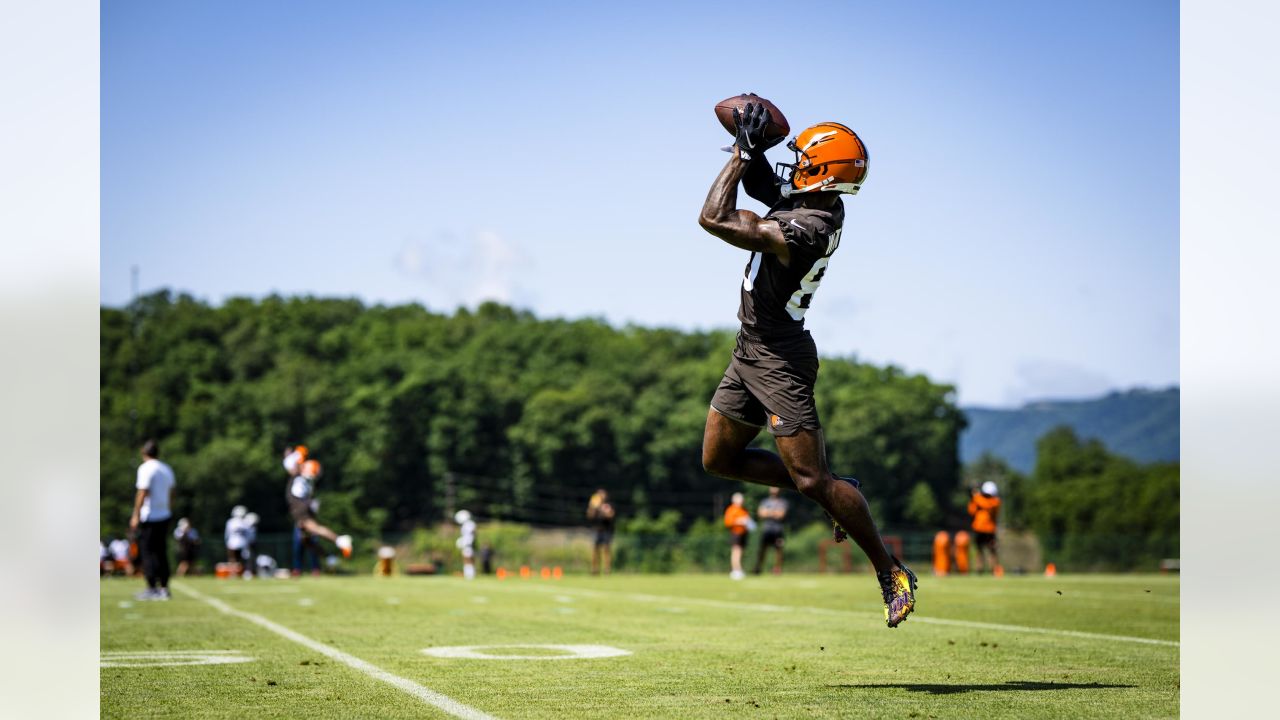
x: 800, y: 299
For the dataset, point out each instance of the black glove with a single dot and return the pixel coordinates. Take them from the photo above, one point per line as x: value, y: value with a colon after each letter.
x: 751, y: 124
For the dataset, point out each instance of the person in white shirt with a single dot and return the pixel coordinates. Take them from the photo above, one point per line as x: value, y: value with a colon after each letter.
x: 467, y: 542
x: 235, y: 535
x: 119, y: 550
x: 150, y: 520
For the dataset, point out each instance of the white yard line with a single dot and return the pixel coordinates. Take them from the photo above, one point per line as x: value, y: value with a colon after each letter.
x: 915, y: 618
x: 426, y: 695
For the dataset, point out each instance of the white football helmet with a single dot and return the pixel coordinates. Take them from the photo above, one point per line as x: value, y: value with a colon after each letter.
x: 989, y: 488
x: 461, y: 517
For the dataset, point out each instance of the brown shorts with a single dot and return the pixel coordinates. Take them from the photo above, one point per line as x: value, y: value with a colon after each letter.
x: 769, y: 383
x: 300, y: 510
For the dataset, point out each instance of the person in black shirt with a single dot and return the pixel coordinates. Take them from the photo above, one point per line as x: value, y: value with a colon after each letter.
x: 770, y: 379
x: 772, y: 512
x: 600, y: 512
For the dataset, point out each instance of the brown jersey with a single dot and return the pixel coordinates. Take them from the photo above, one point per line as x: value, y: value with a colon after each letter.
x: 776, y: 296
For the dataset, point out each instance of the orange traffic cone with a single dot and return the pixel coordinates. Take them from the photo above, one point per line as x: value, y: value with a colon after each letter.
x: 524, y: 572
x: 557, y: 573
x: 502, y: 573
x: 1050, y: 570
x: 545, y: 573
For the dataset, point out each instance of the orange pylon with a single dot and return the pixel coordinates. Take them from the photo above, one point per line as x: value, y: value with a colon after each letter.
x: 557, y: 573
x: 941, y: 553
x: 1050, y: 570
x: 545, y: 573
x: 962, y: 552
x: 502, y: 573
x: 524, y: 572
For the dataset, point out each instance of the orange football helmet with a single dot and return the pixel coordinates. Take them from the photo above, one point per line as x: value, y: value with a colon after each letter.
x: 829, y: 158
x: 311, y: 469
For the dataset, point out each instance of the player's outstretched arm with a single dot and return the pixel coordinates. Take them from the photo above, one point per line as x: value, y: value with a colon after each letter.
x: 740, y: 228
x: 759, y: 181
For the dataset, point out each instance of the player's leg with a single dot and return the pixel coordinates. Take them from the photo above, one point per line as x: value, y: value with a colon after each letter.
x: 311, y: 554
x: 735, y: 558
x: 777, y: 548
x: 606, y: 557
x: 312, y: 527
x: 805, y: 457
x: 160, y: 548
x: 764, y: 547
x: 980, y: 557
x: 725, y: 453
x: 343, y: 542
x: 468, y: 562
x: 297, y: 550
x: 149, y: 564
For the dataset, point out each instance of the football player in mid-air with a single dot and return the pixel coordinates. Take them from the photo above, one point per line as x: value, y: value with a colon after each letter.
x: 300, y: 495
x: 770, y: 380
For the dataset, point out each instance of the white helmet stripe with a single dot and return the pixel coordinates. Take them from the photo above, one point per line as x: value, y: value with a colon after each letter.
x: 816, y: 139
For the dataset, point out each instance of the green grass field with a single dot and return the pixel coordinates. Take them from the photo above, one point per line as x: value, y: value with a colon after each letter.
x: 701, y: 646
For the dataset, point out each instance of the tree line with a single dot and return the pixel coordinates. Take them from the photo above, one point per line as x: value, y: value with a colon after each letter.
x: 413, y: 412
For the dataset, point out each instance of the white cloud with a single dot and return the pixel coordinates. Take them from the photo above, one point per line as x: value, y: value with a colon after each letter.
x: 468, y: 269
x: 1040, y: 379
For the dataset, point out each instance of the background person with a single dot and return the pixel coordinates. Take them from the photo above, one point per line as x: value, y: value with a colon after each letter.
x: 120, y: 562
x: 188, y: 545
x: 739, y: 522
x: 984, y: 508
x: 772, y: 512
x: 466, y: 542
x: 249, y: 553
x: 235, y: 535
x: 300, y: 496
x: 600, y: 511
x: 150, y: 520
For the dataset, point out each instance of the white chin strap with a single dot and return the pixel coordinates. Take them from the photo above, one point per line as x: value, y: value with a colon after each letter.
x: 847, y: 188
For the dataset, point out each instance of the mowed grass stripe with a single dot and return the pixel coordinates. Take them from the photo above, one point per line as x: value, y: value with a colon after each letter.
x: 425, y: 694
x: 916, y: 618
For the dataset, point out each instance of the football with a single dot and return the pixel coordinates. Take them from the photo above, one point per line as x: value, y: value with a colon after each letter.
x: 778, y: 128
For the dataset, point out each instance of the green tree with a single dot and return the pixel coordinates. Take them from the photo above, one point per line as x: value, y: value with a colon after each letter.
x: 1093, y: 509
x: 922, y: 507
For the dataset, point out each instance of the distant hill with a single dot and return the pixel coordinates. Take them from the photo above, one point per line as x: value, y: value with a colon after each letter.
x: 1140, y: 424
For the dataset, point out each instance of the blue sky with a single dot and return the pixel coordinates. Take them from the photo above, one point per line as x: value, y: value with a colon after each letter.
x: 1017, y: 234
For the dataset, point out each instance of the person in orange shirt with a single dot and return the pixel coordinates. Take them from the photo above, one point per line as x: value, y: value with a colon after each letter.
x: 739, y: 522
x: 984, y: 508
